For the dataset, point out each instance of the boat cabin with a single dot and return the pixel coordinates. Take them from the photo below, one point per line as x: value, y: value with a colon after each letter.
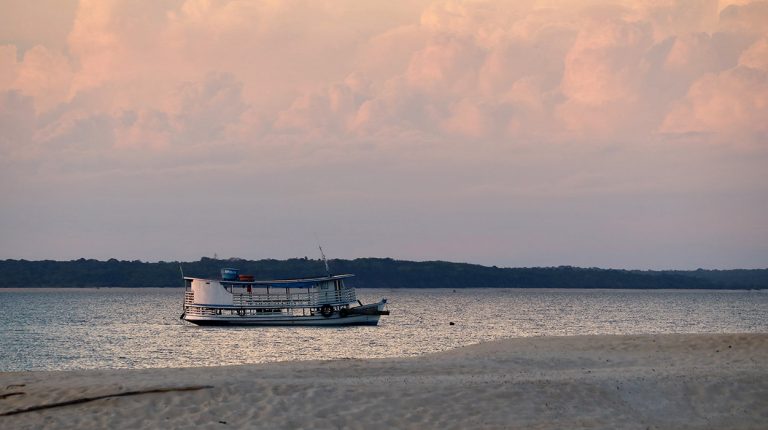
x: 285, y: 294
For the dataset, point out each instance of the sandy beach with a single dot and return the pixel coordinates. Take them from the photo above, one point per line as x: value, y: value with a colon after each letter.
x: 633, y: 382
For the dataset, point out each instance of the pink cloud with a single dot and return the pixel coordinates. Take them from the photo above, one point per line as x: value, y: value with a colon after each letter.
x: 43, y: 74
x: 604, y: 77
x: 482, y: 70
x: 8, y: 66
x: 756, y: 56
x: 732, y: 104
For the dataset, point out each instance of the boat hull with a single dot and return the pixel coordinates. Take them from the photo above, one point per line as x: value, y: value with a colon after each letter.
x: 313, y: 320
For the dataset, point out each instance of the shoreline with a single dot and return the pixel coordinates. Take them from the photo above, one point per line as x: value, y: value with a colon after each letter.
x: 592, y: 381
x: 531, y: 289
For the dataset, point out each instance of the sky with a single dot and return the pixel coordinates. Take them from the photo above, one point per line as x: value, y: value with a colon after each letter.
x: 615, y: 134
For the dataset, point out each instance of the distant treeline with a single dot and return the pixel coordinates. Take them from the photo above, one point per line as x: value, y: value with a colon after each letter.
x: 371, y: 272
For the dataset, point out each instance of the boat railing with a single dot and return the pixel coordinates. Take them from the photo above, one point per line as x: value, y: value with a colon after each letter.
x: 295, y: 300
x: 189, y: 298
x: 202, y: 311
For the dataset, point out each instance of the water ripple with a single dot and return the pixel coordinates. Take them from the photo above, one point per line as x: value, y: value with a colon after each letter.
x: 58, y: 329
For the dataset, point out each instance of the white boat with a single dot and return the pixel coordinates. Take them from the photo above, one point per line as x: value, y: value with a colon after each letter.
x: 239, y: 300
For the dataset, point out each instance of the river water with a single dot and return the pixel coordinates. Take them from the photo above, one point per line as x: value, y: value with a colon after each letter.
x: 62, y: 329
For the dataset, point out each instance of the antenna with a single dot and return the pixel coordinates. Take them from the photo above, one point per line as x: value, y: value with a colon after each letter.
x: 322, y: 254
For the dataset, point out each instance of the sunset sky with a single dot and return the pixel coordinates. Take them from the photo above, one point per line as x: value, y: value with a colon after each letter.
x: 513, y: 133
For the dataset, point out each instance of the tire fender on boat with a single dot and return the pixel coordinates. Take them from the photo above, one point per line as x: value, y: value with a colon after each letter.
x: 326, y: 310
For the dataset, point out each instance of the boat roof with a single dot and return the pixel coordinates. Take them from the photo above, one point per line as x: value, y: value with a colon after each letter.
x: 300, y: 282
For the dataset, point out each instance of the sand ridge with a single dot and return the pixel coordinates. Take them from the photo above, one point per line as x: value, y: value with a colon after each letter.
x: 650, y: 381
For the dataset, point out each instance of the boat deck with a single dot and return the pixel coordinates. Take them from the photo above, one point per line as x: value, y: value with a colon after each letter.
x: 282, y: 300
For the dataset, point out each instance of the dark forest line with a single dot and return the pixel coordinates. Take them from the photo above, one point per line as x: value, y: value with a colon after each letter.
x: 371, y: 272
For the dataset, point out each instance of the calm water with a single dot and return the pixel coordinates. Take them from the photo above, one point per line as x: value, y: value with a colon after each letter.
x: 118, y: 328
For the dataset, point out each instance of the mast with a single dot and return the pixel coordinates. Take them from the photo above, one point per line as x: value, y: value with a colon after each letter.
x: 322, y: 254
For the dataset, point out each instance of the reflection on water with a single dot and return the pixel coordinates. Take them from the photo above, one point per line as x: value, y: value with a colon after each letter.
x: 109, y: 328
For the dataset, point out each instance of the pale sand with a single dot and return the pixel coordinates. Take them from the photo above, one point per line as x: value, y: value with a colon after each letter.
x: 654, y: 381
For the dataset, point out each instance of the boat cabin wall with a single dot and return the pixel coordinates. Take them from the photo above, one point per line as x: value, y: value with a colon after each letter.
x: 210, y: 292
x: 328, y: 289
x: 333, y: 284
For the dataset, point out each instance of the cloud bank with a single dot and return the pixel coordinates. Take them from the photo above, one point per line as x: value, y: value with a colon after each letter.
x: 418, y: 89
x: 275, y: 71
